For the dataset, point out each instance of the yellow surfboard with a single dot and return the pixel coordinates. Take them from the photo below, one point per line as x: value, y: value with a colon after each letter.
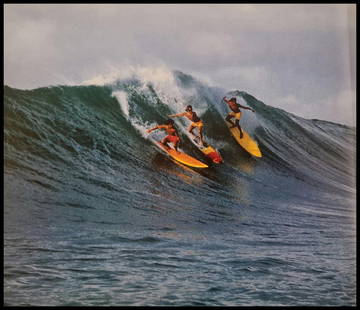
x: 246, y: 142
x: 182, y: 157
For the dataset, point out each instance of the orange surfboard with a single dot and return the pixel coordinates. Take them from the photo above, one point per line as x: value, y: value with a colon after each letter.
x: 182, y: 157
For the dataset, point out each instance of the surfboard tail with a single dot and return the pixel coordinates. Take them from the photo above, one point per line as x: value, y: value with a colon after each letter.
x: 215, y: 157
x: 245, y: 142
x: 213, y: 154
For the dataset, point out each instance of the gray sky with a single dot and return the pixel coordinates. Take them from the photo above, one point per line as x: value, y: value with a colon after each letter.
x: 298, y: 57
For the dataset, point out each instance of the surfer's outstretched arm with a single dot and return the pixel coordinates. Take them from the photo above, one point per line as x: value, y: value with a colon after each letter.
x: 246, y: 108
x: 154, y: 128
x: 177, y: 115
x: 151, y: 129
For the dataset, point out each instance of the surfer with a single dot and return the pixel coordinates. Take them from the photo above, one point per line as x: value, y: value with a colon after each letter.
x: 235, y: 112
x: 172, y: 136
x: 195, y: 121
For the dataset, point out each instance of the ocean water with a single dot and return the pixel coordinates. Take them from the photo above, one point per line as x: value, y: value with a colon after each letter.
x: 96, y: 215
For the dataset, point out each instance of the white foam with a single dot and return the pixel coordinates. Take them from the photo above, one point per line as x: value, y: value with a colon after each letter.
x: 164, y: 83
x: 161, y: 78
x: 122, y: 99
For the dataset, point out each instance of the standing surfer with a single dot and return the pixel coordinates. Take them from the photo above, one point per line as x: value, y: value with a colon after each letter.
x: 196, y: 121
x: 235, y: 112
x: 172, y: 136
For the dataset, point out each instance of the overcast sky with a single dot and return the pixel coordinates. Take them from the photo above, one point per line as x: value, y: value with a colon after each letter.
x: 299, y: 57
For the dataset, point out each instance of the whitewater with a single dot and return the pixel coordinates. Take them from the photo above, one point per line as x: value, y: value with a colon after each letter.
x: 96, y: 215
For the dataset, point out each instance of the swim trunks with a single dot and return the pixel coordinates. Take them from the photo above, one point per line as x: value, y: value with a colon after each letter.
x: 236, y: 115
x: 197, y: 124
x: 171, y: 138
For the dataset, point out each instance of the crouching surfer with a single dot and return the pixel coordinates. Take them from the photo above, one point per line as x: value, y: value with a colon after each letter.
x: 235, y: 112
x: 172, y: 134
